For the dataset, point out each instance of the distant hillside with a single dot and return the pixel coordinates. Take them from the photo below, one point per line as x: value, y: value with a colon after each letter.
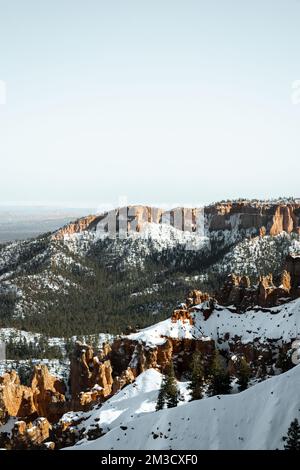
x: 80, y: 280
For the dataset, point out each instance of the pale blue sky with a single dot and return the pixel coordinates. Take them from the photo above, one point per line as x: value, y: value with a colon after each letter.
x: 162, y: 100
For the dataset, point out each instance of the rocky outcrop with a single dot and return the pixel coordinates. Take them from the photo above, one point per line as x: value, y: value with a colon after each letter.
x: 182, y: 315
x: 130, y: 218
x: 27, y: 435
x: 292, y: 266
x: 239, y: 292
x: 127, y: 377
x: 15, y: 399
x: 96, y: 376
x: 254, y: 217
x: 48, y: 394
x: 235, y: 291
x: 45, y: 397
x: 284, y: 220
x: 196, y: 297
x: 242, y: 218
x: 78, y: 226
x: 87, y: 372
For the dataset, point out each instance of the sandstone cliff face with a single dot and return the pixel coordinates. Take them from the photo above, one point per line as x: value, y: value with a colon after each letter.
x: 78, y: 226
x: 244, y: 217
x: 15, y: 399
x: 43, y: 398
x: 131, y: 219
x: 48, y: 394
x: 256, y: 218
x: 86, y: 371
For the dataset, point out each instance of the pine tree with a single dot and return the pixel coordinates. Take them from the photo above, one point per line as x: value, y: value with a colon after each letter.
x: 168, y: 393
x: 243, y: 374
x: 197, y: 379
x: 220, y: 378
x: 292, y: 438
x: 161, y: 396
x: 172, y: 392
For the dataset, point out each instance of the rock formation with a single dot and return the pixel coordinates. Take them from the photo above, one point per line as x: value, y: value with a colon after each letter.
x: 27, y: 435
x: 237, y: 290
x: 254, y: 217
x: 43, y: 398
x: 242, y: 218
x: 78, y: 226
x: 48, y: 394
x: 15, y: 399
x: 88, y: 372
x: 292, y: 266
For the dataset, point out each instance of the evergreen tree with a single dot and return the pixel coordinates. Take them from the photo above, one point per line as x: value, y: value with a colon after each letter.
x: 243, y: 374
x: 161, y: 396
x: 172, y: 392
x: 292, y: 438
x: 219, y: 377
x: 168, y: 393
x: 197, y: 379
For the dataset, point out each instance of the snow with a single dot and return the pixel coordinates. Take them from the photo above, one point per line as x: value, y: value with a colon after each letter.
x: 253, y: 255
x: 135, y: 399
x: 280, y: 323
x: 131, y: 402
x: 8, y: 426
x: 254, y: 419
x: 134, y: 247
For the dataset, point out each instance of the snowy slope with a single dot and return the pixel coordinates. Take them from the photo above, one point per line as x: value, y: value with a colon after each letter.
x: 254, y: 419
x: 132, y: 401
x: 280, y: 323
x: 255, y: 256
x: 128, y: 404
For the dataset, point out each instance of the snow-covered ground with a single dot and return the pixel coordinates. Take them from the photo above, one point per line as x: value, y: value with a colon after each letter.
x: 254, y: 256
x: 17, y: 336
x: 280, y: 323
x: 128, y: 404
x: 254, y: 419
x: 132, y: 401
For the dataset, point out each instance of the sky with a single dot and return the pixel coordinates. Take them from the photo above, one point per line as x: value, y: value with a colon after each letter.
x: 156, y: 102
